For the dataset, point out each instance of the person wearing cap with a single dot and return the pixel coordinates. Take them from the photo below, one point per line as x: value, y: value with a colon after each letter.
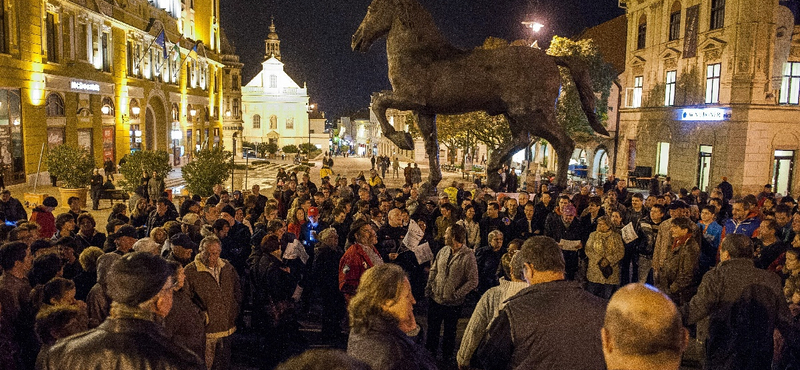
x: 215, y: 282
x: 310, y: 229
x: 190, y: 225
x: 42, y: 215
x: 124, y: 238
x: 140, y: 286
x: 182, y: 249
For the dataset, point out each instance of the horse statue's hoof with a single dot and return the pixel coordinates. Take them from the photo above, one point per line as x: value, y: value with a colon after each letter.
x: 402, y: 139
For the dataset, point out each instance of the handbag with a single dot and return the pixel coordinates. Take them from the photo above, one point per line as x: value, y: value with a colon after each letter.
x: 607, y: 270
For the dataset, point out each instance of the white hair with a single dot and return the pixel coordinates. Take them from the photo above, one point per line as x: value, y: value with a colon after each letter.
x: 147, y: 245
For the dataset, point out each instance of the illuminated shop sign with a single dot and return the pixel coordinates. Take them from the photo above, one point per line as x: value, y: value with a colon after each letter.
x: 704, y: 114
x: 84, y: 86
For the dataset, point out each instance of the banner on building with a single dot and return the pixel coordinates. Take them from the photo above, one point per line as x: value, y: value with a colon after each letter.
x: 692, y: 22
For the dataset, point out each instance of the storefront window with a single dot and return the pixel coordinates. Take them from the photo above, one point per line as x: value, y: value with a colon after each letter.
x: 662, y: 159
x: 12, y: 160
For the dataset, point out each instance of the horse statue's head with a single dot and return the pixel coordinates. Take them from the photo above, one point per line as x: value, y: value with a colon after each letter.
x: 375, y: 25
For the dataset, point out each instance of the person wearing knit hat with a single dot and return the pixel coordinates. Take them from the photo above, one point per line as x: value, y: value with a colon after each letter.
x: 140, y: 286
x: 43, y: 216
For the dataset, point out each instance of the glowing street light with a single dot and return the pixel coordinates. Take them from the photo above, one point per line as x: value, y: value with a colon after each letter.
x: 536, y: 27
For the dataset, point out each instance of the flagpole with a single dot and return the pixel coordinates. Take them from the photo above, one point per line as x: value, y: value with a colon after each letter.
x: 148, y: 47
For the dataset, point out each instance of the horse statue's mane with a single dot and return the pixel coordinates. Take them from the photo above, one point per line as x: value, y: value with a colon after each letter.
x: 415, y: 18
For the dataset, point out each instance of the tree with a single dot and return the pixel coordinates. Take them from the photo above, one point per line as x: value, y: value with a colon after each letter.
x: 210, y: 167
x: 72, y: 165
x: 307, y: 148
x: 270, y: 148
x: 143, y: 161
x: 570, y: 112
x: 290, y: 149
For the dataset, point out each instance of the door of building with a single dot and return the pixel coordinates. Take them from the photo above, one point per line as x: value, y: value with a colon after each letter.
x: 782, y: 168
x: 704, y: 167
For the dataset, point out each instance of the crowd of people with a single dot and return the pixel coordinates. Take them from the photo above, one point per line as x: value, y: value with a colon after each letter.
x: 167, y: 285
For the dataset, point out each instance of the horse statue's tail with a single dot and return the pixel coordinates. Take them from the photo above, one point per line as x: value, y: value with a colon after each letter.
x: 583, y: 83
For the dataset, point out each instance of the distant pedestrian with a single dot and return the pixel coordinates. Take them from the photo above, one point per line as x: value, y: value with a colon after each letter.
x: 395, y: 168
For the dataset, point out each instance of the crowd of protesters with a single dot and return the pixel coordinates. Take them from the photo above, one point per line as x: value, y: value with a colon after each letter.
x: 535, y: 269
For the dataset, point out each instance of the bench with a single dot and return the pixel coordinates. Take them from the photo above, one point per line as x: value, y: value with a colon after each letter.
x: 114, y: 194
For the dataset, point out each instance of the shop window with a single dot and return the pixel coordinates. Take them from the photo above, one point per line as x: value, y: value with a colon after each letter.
x: 3, y: 32
x: 662, y: 159
x: 641, y: 38
x: 107, y: 107
x: 717, y: 14
x: 704, y: 167
x: 675, y: 22
x: 12, y: 151
x: 256, y: 121
x: 790, y: 86
x: 54, y: 107
x: 669, y: 93
x: 51, y: 36
x: 782, y: 168
x: 713, y: 72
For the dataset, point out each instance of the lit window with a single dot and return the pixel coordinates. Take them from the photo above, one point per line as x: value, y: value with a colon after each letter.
x: 712, y: 83
x: 717, y: 14
x: 669, y: 94
x: 638, y: 84
x: 662, y: 159
x: 790, y: 87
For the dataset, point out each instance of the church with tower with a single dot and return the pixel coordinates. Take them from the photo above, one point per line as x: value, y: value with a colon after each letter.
x: 275, y: 109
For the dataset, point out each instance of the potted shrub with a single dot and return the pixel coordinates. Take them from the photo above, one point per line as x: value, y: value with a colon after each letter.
x: 210, y: 167
x: 73, y: 167
x: 143, y: 161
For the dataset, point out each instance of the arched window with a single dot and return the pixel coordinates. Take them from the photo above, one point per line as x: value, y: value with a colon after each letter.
x: 642, y: 35
x: 107, y: 107
x: 134, y: 108
x: 256, y: 121
x: 54, y: 105
x: 190, y: 112
x: 675, y: 21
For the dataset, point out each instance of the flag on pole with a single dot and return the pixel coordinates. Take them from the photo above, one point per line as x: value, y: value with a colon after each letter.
x: 161, y: 40
x: 192, y: 53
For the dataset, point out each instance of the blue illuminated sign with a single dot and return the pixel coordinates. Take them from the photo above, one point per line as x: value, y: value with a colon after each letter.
x: 704, y: 114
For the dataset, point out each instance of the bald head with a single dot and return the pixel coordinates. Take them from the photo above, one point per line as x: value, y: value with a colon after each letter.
x: 641, y: 322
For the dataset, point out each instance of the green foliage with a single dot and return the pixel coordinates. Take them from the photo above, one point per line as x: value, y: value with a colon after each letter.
x: 143, y: 161
x: 570, y: 113
x: 210, y: 167
x: 72, y: 165
x: 291, y: 149
x: 307, y: 147
x: 270, y: 148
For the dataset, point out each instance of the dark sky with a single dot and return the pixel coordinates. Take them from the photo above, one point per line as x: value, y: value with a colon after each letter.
x: 315, y: 37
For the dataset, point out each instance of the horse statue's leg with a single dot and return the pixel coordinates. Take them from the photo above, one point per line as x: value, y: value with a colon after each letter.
x: 557, y: 136
x: 380, y: 103
x: 427, y: 126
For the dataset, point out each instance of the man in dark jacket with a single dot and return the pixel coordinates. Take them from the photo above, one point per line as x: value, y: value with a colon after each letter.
x: 159, y: 216
x: 744, y: 305
x: 141, y: 288
x: 12, y: 207
x: 326, y: 274
x: 534, y: 342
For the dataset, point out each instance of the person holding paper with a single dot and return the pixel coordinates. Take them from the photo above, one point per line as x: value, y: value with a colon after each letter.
x: 604, y: 249
x: 568, y: 233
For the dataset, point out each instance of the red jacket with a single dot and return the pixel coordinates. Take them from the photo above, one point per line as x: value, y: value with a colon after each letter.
x: 351, y: 267
x: 46, y: 222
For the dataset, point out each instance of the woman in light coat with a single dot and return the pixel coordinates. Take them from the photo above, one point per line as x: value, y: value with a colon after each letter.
x: 604, y: 249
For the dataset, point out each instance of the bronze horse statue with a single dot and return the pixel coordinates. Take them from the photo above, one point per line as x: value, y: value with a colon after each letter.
x: 429, y: 76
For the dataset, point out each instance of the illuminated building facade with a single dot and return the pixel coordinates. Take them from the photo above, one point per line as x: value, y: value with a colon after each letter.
x: 92, y: 73
x: 712, y: 90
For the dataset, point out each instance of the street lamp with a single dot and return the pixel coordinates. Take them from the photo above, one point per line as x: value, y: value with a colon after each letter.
x: 536, y: 27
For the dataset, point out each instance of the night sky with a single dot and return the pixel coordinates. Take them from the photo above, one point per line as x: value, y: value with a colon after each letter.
x: 315, y: 37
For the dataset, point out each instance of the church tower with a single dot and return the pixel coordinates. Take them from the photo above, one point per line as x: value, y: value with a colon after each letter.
x: 273, y: 47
